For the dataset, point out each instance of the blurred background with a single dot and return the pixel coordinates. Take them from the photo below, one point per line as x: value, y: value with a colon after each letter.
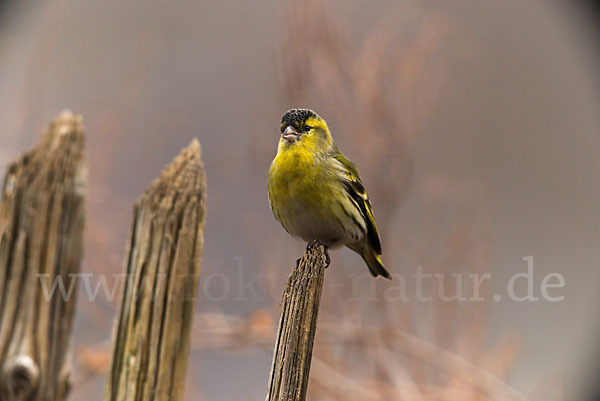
x: 475, y: 126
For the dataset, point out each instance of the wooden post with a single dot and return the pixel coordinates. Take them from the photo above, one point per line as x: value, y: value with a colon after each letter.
x: 152, y: 334
x: 297, y: 328
x: 41, y: 228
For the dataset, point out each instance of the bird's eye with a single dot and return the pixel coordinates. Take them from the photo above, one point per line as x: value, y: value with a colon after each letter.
x: 307, y: 128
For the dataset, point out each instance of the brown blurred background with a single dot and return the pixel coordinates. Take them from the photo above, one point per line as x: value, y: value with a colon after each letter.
x: 475, y: 126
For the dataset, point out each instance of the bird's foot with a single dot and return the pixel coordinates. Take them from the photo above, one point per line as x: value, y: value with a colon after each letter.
x: 316, y: 243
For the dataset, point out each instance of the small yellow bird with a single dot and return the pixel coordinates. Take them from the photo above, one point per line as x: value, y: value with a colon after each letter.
x: 316, y: 193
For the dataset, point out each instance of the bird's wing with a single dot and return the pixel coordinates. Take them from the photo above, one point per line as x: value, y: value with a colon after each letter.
x: 357, y: 192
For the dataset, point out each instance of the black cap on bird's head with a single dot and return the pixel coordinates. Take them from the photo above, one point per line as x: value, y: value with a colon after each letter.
x: 296, y: 117
x: 293, y: 123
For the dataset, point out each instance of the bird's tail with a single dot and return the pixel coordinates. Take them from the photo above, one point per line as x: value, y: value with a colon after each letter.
x: 375, y: 264
x: 373, y: 261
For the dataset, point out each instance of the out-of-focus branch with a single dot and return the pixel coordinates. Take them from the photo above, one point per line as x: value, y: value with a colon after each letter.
x: 41, y: 230
x: 230, y: 332
x: 297, y: 328
x: 152, y: 335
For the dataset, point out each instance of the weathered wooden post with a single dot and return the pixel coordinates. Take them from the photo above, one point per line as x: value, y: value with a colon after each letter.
x: 152, y: 334
x: 41, y: 228
x: 297, y: 328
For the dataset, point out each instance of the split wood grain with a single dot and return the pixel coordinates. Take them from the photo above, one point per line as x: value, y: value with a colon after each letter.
x: 297, y: 328
x: 42, y: 218
x: 152, y: 334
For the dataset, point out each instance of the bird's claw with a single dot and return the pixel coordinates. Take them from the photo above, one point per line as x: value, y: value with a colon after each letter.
x: 315, y: 244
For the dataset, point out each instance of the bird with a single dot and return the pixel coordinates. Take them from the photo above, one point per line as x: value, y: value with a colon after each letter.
x: 317, y: 194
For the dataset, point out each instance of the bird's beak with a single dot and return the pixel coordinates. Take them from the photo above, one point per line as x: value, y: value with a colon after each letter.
x: 290, y: 134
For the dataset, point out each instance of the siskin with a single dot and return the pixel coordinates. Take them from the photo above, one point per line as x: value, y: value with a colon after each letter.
x: 316, y: 193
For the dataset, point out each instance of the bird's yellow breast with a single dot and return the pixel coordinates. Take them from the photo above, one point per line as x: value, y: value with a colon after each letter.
x: 308, y: 198
x: 304, y: 195
x: 296, y: 173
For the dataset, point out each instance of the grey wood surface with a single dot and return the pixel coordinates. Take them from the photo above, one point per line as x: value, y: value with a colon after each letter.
x: 42, y: 218
x: 151, y: 338
x: 297, y: 327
